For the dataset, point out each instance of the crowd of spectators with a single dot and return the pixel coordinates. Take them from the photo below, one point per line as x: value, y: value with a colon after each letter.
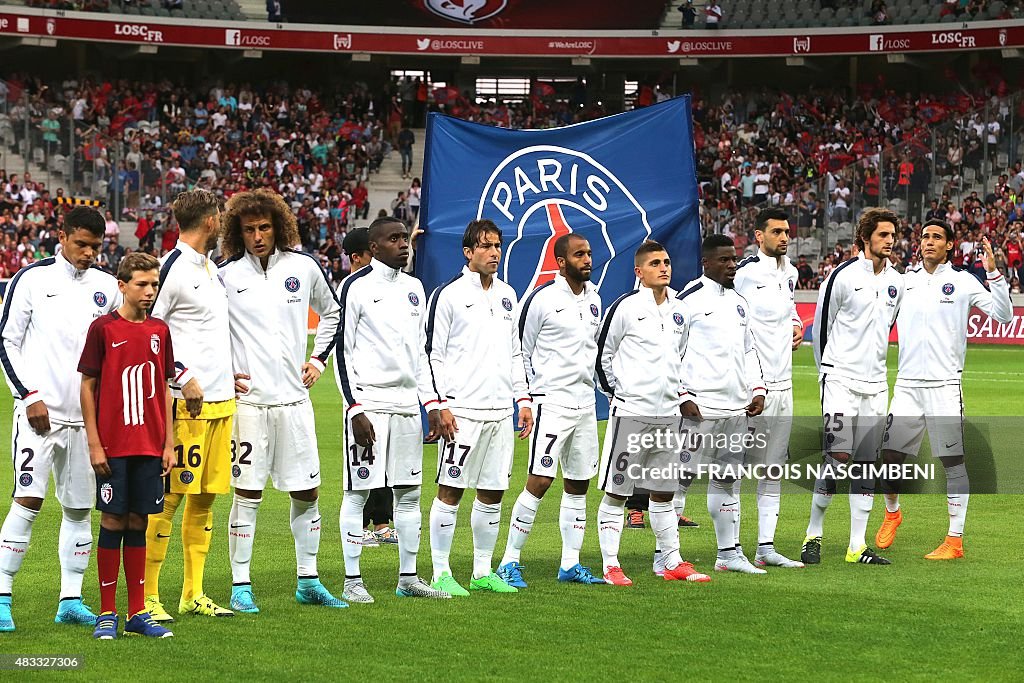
x: 136, y: 144
x: 817, y: 154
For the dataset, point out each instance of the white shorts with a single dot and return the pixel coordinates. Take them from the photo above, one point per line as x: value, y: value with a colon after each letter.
x: 621, y: 467
x: 480, y: 457
x: 64, y: 451
x: 394, y: 459
x: 718, y: 440
x: 773, y: 427
x: 279, y: 441
x: 854, y: 421
x: 567, y: 437
x: 913, y: 409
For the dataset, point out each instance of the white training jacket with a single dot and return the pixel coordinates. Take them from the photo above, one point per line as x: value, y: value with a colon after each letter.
x: 476, y: 360
x: 932, y: 321
x: 856, y: 310
x: 721, y: 370
x: 768, y: 284
x: 48, y: 308
x: 640, y: 348
x: 558, y: 333
x: 268, y: 310
x: 194, y: 304
x: 380, y: 363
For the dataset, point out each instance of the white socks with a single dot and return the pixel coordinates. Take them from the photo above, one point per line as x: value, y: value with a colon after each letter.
x: 572, y: 522
x: 73, y: 549
x: 610, y: 518
x: 860, y: 510
x: 485, y: 520
x: 241, y: 534
x: 736, y: 526
x: 351, y: 522
x: 15, y: 534
x: 664, y: 524
x: 408, y: 520
x: 722, y: 506
x: 892, y: 502
x: 821, y: 499
x: 523, y: 513
x: 769, y: 498
x: 957, y: 496
x: 305, y: 518
x: 442, y: 531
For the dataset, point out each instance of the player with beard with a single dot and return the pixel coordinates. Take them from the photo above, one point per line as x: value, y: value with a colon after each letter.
x: 557, y: 326
x: 194, y: 304
x: 767, y: 281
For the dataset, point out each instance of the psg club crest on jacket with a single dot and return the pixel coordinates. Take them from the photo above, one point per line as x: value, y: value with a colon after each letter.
x: 106, y: 493
x: 154, y: 343
x: 948, y: 288
x: 791, y: 287
x: 292, y: 284
x: 466, y: 11
x: 413, y: 299
x: 892, y: 291
x: 100, y: 299
x: 739, y: 309
x: 506, y: 303
x: 593, y: 310
x: 26, y: 479
x: 539, y: 193
x: 678, y: 318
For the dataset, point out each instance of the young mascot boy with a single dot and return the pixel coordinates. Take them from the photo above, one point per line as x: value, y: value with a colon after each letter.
x: 126, y: 403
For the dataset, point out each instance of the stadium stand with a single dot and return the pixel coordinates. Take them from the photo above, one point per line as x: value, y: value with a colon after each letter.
x: 223, y: 10
x: 316, y: 147
x: 746, y: 15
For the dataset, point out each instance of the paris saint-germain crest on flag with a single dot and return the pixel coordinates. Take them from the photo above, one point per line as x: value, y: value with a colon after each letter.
x: 617, y: 181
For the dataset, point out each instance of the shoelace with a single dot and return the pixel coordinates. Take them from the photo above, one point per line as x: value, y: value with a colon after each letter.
x: 586, y: 573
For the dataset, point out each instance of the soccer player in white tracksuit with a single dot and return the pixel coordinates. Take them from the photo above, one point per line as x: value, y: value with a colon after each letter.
x: 857, y: 306
x: 47, y: 311
x: 767, y: 281
x: 557, y: 326
x: 384, y: 377
x: 639, y: 368
x: 722, y: 386
x: 932, y: 325
x: 477, y: 368
x: 272, y: 287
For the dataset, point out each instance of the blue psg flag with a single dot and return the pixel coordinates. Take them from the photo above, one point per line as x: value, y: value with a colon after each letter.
x: 617, y: 181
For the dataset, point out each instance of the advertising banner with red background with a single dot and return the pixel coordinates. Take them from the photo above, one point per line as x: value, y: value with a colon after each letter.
x: 548, y: 43
x: 981, y: 329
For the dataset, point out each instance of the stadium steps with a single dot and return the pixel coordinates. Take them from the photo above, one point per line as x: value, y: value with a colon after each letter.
x: 385, y: 186
x: 15, y: 163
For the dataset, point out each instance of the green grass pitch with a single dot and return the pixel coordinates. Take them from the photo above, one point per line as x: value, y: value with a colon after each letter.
x: 916, y: 619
